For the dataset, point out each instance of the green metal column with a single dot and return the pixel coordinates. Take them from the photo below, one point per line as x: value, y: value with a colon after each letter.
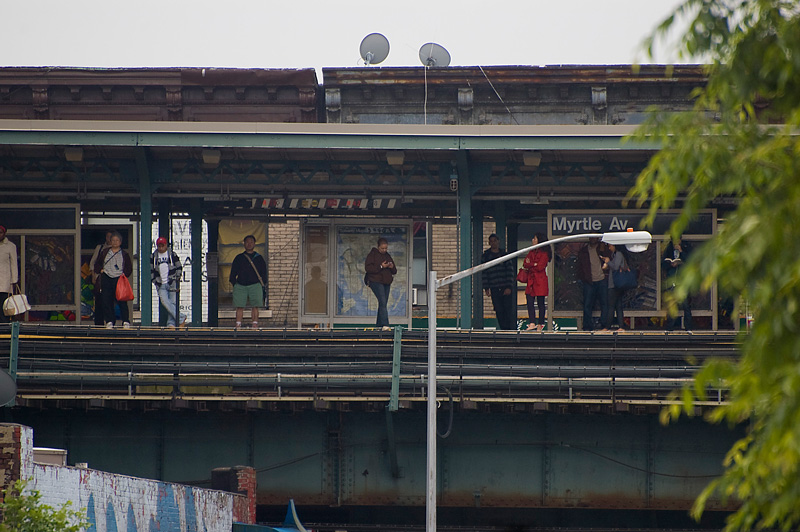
x: 500, y: 228
x: 165, y: 230
x: 146, y: 223
x: 465, y: 238
x: 196, y: 215
x: 512, y: 232
x: 13, y: 355
x: 477, y: 252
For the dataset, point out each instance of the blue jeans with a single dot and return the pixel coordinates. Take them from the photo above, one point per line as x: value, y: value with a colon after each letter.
x: 381, y: 292
x: 595, y: 291
x: 168, y: 300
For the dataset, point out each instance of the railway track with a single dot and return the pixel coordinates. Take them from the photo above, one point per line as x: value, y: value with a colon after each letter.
x: 63, y: 362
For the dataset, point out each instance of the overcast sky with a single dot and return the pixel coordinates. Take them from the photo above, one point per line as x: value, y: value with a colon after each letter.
x: 315, y: 33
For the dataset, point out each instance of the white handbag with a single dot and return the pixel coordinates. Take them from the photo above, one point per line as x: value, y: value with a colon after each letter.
x: 16, y: 304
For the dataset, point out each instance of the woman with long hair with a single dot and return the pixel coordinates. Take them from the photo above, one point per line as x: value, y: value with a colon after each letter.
x: 535, y: 292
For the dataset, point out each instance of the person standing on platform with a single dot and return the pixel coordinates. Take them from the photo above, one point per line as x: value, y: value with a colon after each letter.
x: 9, y: 271
x: 380, y: 271
x: 165, y: 273
x: 537, y: 288
x: 111, y: 264
x: 248, y: 271
x: 615, y: 263
x: 499, y: 283
x: 593, y: 278
x: 99, y: 313
x: 675, y: 255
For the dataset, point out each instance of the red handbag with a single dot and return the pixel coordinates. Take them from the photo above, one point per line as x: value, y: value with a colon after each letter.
x: 124, y: 289
x: 522, y: 276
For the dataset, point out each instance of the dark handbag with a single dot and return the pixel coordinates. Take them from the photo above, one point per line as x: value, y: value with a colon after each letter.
x: 522, y: 276
x: 625, y: 279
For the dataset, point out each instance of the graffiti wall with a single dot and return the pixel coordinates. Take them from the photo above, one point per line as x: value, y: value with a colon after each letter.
x: 117, y: 503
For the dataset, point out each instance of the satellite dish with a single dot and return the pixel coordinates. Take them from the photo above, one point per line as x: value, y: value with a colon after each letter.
x: 432, y: 54
x: 374, y: 48
x: 8, y: 388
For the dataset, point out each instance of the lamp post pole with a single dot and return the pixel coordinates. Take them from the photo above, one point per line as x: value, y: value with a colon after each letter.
x: 630, y: 237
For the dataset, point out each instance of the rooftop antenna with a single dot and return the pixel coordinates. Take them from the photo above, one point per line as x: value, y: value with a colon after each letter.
x: 434, y: 55
x: 374, y: 49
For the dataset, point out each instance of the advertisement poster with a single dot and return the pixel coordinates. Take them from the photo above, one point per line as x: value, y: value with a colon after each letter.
x: 353, y: 244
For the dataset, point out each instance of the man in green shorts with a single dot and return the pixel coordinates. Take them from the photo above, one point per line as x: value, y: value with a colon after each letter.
x: 248, y: 271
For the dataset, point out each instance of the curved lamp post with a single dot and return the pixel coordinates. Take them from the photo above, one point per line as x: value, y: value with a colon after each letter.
x: 635, y: 241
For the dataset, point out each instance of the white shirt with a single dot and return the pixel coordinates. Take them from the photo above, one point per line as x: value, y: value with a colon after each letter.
x: 163, y: 261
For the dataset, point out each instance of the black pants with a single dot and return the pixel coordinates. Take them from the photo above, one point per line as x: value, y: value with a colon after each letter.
x: 109, y: 296
x: 675, y: 323
x: 502, y: 309
x: 531, y: 301
x: 3, y: 317
x: 615, y: 296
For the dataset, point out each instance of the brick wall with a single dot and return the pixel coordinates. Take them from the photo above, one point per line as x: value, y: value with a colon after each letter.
x: 16, y: 454
x: 445, y: 262
x: 444, y: 243
x: 284, y: 267
x: 241, y: 480
x: 117, y: 502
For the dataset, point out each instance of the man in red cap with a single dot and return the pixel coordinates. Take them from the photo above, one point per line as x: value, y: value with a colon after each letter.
x: 165, y: 272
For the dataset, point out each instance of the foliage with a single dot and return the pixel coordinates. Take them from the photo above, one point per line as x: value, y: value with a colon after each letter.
x: 23, y: 511
x: 741, y: 142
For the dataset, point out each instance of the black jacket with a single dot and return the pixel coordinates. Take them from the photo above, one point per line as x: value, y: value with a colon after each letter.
x: 242, y: 273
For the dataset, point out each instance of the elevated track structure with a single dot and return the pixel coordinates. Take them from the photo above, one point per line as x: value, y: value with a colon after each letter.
x: 529, y: 422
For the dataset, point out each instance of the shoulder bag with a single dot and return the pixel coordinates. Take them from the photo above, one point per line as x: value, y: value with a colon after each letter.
x: 260, y: 280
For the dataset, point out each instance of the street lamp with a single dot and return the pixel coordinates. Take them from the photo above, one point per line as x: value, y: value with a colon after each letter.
x: 635, y: 241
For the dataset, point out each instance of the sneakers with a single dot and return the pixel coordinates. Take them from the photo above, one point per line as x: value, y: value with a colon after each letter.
x: 126, y: 325
x: 386, y: 328
x: 110, y: 325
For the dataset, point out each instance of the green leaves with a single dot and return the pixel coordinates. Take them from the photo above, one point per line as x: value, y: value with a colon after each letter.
x: 725, y: 147
x: 23, y: 511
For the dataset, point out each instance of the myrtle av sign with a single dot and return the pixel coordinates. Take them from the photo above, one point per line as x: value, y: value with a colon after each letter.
x: 564, y: 223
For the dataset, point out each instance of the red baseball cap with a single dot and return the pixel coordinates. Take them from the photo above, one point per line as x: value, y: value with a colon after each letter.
x: 161, y: 240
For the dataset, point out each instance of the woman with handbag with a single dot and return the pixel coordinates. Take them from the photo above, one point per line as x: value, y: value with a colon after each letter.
x: 112, y: 263
x: 619, y: 280
x: 9, y: 273
x: 535, y: 264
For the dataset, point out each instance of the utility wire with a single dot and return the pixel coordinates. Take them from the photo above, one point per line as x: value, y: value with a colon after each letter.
x: 498, y: 95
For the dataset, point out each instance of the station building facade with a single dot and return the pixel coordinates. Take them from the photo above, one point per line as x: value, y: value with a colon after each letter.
x: 435, y: 160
